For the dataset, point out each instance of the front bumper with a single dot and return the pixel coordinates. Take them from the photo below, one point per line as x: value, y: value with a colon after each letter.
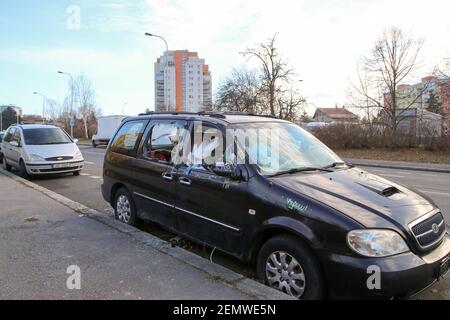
x: 42, y: 168
x: 400, y: 276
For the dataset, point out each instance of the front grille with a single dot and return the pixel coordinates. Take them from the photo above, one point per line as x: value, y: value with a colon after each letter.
x: 430, y: 231
x: 58, y: 158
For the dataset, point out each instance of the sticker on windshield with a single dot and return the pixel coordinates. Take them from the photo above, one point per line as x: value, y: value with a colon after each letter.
x: 294, y: 205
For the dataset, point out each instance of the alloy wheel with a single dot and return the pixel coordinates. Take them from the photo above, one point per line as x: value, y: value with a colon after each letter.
x: 286, y: 274
x: 123, y: 209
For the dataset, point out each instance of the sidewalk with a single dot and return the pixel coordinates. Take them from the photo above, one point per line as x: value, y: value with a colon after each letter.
x: 40, y: 237
x: 404, y: 165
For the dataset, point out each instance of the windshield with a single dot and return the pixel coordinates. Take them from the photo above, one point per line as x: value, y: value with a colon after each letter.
x: 277, y: 147
x: 42, y: 136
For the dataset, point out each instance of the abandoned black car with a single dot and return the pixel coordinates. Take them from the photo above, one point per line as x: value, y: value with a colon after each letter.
x: 269, y: 193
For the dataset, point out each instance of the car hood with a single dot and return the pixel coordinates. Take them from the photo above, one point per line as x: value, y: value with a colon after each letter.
x: 53, y: 150
x: 370, y: 200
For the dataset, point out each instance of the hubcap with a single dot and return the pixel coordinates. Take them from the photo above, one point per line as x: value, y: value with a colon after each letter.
x: 285, y: 273
x: 123, y: 209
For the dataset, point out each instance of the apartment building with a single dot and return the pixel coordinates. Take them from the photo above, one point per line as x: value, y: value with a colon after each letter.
x: 182, y: 82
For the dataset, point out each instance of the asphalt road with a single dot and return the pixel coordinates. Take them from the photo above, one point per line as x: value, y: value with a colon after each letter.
x: 86, y: 190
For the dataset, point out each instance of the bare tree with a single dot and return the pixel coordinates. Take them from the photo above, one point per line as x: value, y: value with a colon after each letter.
x: 85, y: 100
x: 274, y: 70
x: 358, y: 97
x: 394, y: 58
x: 239, y: 92
x: 53, y: 109
x: 291, y: 105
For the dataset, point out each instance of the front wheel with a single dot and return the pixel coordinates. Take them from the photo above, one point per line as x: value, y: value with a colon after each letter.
x: 23, y: 170
x: 287, y: 264
x: 76, y: 173
x: 125, y: 209
x: 94, y: 144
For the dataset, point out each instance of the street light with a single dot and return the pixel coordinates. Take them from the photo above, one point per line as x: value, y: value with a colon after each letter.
x: 43, y: 105
x: 71, y: 99
x: 156, y: 36
x: 167, y: 49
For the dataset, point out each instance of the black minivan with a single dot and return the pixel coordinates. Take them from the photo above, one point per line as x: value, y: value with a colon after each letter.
x: 269, y: 193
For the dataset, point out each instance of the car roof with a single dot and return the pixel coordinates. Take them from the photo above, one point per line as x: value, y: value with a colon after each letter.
x: 224, y: 118
x: 35, y: 126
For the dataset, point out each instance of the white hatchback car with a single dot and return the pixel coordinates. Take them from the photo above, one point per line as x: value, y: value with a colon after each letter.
x: 40, y: 149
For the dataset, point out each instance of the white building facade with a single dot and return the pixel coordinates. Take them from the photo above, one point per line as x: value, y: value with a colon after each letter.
x: 182, y: 82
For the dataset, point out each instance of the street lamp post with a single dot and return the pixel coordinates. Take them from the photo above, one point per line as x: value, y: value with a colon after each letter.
x: 166, y: 64
x: 71, y: 98
x: 43, y: 105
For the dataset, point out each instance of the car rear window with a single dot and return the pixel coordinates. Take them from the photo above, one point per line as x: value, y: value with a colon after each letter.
x: 127, y: 138
x: 45, y: 136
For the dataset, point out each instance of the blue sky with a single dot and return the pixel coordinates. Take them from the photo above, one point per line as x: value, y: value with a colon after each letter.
x: 322, y: 39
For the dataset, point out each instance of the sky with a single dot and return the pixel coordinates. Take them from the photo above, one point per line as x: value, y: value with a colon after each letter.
x: 323, y: 40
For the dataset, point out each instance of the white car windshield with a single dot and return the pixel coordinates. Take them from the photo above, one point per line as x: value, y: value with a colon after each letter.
x: 277, y: 147
x: 45, y: 136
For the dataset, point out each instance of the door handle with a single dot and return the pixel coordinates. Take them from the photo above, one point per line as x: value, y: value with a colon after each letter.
x: 185, y: 181
x: 167, y: 176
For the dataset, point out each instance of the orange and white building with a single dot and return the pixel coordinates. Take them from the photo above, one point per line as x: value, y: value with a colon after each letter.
x: 182, y: 82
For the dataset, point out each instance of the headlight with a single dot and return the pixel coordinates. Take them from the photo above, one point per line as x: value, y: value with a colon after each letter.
x: 35, y: 157
x: 376, y: 243
x: 78, y: 155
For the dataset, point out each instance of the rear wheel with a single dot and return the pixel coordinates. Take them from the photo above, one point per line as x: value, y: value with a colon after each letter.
x: 125, y: 209
x: 76, y: 173
x: 6, y: 166
x: 287, y: 264
x: 1, y: 157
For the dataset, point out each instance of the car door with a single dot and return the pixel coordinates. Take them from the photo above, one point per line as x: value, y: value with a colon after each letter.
x: 16, y: 149
x: 211, y: 208
x: 5, y: 144
x: 155, y: 174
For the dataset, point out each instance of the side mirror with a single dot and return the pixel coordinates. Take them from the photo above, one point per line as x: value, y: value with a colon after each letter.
x: 229, y: 171
x: 14, y: 144
x: 75, y: 140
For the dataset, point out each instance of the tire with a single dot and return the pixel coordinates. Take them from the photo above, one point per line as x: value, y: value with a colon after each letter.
x: 305, y: 281
x: 6, y: 166
x: 1, y: 157
x: 23, y: 170
x: 94, y: 144
x: 76, y: 173
x: 123, y: 202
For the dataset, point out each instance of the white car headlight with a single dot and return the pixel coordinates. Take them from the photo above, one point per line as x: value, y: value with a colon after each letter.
x: 78, y: 155
x: 376, y: 243
x: 35, y: 157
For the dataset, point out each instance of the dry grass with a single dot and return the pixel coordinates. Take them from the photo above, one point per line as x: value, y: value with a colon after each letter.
x: 404, y: 154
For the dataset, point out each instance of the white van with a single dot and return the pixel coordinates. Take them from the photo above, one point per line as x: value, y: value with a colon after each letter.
x: 106, y: 126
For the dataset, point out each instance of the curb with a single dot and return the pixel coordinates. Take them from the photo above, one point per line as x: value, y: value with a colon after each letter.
x: 215, y: 272
x: 361, y: 163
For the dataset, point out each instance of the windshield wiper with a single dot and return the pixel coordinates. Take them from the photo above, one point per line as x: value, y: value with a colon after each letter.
x: 296, y: 170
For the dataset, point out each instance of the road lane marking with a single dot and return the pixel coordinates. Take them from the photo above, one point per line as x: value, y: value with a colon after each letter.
x: 95, y: 177
x: 84, y: 174
x: 429, y: 175
x: 88, y: 162
x: 392, y: 176
x: 436, y: 192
